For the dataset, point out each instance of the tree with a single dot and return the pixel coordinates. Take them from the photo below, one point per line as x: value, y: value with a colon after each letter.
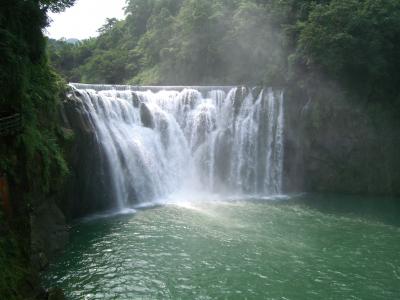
x: 56, y: 6
x: 110, y: 22
x: 356, y: 43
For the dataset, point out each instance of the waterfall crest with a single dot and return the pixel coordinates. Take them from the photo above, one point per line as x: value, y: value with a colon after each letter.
x: 161, y: 140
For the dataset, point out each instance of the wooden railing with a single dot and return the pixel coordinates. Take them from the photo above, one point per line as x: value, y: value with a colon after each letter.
x: 10, y: 125
x: 4, y: 196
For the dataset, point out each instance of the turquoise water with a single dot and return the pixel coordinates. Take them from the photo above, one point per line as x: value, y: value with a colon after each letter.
x: 286, y: 249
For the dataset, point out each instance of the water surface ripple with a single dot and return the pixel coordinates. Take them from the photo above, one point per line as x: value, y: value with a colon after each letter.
x: 230, y: 250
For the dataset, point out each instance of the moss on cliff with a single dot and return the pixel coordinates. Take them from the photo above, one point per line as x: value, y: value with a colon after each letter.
x: 12, y: 265
x: 32, y: 160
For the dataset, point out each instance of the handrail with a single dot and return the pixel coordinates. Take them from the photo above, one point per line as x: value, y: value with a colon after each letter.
x: 10, y: 125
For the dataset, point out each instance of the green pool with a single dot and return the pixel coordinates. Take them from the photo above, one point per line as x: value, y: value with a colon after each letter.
x: 306, y: 248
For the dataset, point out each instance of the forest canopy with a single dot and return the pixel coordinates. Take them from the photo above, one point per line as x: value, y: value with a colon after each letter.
x: 56, y: 5
x: 355, y: 43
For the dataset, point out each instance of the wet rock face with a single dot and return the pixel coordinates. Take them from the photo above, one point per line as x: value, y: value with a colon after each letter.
x: 223, y: 155
x: 240, y: 94
x: 333, y: 146
x: 163, y: 129
x: 49, y: 233
x: 190, y: 99
x: 204, y: 125
x: 293, y: 169
x: 135, y: 100
x: 344, y: 153
x: 87, y: 189
x: 146, y: 116
x: 329, y: 146
x: 256, y: 91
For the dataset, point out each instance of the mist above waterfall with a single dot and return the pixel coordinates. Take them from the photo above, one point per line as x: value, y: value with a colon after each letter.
x: 159, y: 142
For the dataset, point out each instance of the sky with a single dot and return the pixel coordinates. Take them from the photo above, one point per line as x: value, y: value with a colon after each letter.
x: 84, y: 19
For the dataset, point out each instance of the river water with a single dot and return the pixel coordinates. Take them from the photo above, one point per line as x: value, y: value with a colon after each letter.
x: 309, y: 247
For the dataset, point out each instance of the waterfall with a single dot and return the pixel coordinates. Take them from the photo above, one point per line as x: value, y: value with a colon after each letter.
x: 161, y: 140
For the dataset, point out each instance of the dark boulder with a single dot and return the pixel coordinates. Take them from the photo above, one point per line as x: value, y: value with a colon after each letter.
x: 135, y: 100
x: 146, y: 116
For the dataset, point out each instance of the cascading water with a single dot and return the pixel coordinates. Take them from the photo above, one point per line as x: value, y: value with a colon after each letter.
x: 161, y: 141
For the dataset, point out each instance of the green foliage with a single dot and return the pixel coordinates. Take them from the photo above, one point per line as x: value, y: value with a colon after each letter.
x: 32, y: 160
x: 355, y: 43
x: 67, y: 58
x: 56, y: 5
x: 40, y: 139
x: 181, y: 42
x: 13, y: 272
